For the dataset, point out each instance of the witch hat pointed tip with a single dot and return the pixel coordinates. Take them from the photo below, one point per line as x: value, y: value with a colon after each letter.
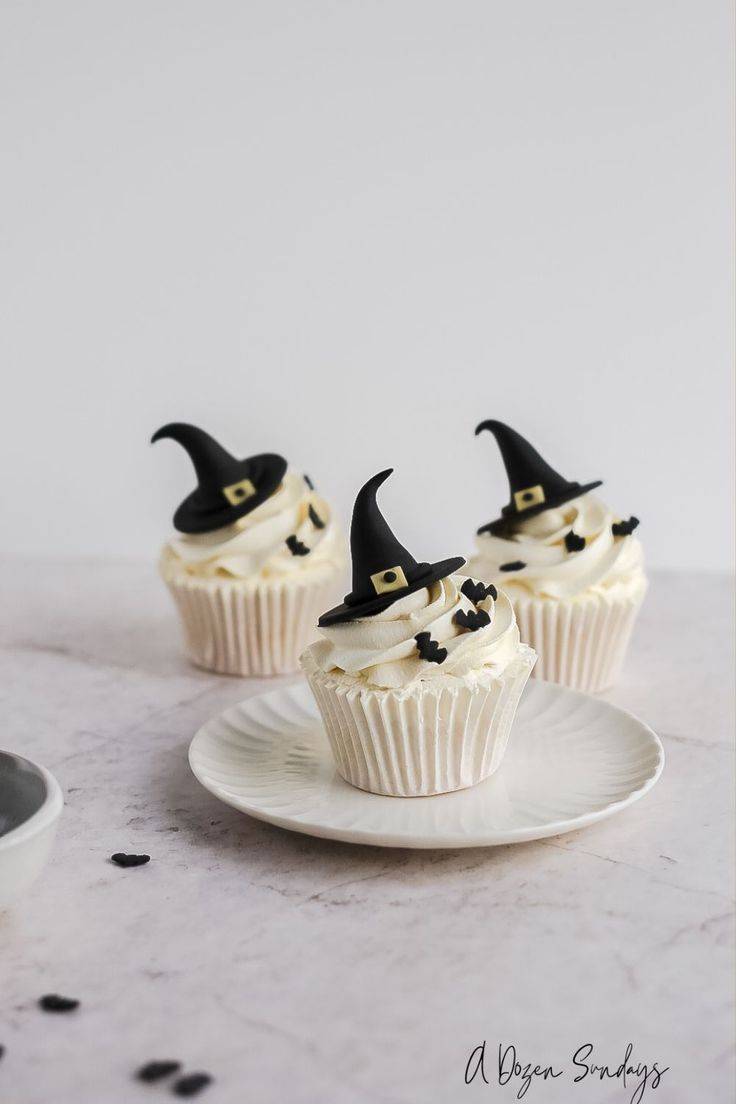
x: 382, y: 476
x: 489, y: 423
x: 172, y: 430
x: 195, y: 441
x: 375, y: 481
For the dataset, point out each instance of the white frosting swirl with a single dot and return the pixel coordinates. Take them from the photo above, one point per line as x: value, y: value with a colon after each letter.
x: 550, y: 570
x: 255, y: 546
x: 382, y: 650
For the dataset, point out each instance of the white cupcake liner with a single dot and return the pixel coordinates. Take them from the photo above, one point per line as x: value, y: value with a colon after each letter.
x: 261, y: 628
x: 441, y: 735
x: 580, y: 642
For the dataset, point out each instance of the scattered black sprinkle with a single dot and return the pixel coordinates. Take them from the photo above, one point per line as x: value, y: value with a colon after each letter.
x: 156, y: 1071
x: 624, y: 528
x: 191, y: 1084
x: 472, y: 619
x: 121, y: 859
x: 2, y: 1051
x: 315, y: 519
x: 515, y: 565
x: 52, y: 1002
x: 309, y: 482
x: 296, y: 547
x: 476, y: 592
x: 429, y: 649
x: 574, y: 543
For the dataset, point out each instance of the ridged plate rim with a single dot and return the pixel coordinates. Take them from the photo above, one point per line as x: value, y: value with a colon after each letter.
x: 239, y: 723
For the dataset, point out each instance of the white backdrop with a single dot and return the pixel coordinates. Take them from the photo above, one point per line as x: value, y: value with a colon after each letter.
x: 350, y: 231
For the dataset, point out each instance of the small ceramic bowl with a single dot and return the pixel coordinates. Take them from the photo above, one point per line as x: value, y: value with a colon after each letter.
x: 30, y: 807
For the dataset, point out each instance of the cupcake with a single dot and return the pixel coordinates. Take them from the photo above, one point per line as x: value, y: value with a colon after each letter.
x: 256, y: 557
x: 571, y: 567
x: 418, y: 673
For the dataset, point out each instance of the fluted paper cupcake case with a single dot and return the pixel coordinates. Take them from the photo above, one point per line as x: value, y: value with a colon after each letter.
x: 251, y: 628
x: 580, y: 642
x: 440, y: 735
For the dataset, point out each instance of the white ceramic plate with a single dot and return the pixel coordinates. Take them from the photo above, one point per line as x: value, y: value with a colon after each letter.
x: 571, y: 760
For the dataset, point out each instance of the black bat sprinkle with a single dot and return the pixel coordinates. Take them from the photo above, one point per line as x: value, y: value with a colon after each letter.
x: 52, y: 1002
x: 476, y: 592
x: 429, y: 649
x: 624, y: 528
x: 472, y: 619
x: 192, y: 1084
x: 157, y: 1070
x: 296, y: 547
x: 574, y: 543
x: 121, y: 859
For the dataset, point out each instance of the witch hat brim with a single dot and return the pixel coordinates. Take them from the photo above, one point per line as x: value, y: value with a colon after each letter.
x: 384, y: 571
x: 509, y: 514
x: 228, y: 488
x: 530, y: 478
x: 435, y: 572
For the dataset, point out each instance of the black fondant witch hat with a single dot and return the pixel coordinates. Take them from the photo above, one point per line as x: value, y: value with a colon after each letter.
x: 227, y: 489
x: 383, y: 570
x: 534, y: 485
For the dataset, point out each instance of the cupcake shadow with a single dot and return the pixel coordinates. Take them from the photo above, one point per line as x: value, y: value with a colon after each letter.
x: 298, y: 865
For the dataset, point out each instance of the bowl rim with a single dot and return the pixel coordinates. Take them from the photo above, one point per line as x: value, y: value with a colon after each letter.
x: 44, y: 817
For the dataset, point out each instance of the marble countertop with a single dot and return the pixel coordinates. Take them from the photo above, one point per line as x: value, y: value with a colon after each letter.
x: 301, y: 970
